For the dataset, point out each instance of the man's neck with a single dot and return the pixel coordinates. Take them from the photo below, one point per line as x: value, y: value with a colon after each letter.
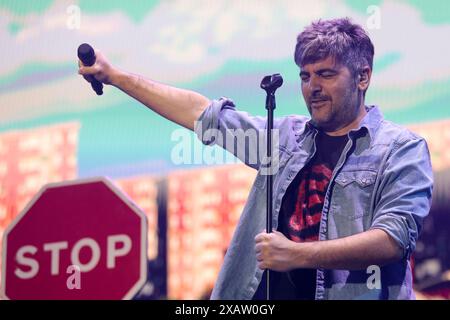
x: 352, y: 125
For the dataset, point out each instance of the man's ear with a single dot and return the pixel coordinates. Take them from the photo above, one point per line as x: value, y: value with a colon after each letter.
x: 364, y: 78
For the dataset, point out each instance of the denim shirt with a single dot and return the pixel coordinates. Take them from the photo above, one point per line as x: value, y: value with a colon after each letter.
x: 383, y: 180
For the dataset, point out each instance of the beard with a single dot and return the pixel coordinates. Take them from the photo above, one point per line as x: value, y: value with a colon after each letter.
x: 323, y: 117
x: 330, y: 116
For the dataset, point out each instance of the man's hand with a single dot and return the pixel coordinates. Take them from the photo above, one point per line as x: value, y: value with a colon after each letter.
x: 274, y: 251
x: 101, y: 70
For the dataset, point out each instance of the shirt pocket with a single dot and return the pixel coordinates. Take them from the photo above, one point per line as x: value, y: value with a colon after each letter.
x: 352, y: 194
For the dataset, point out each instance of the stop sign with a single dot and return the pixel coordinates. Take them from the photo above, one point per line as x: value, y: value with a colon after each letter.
x: 81, y: 239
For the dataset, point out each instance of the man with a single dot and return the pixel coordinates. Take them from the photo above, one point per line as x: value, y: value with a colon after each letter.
x: 351, y: 189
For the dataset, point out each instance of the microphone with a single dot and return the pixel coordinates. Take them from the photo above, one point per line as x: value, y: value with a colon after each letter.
x: 271, y: 83
x: 87, y: 55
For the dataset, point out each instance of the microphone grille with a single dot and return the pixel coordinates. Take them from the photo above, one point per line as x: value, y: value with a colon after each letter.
x: 86, y: 54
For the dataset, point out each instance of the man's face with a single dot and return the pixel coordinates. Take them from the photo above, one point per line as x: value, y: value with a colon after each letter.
x: 331, y: 94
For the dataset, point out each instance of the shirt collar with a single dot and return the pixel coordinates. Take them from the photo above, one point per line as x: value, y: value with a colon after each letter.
x: 370, y: 122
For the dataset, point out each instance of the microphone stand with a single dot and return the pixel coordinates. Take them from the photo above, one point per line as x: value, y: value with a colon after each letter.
x: 270, y: 84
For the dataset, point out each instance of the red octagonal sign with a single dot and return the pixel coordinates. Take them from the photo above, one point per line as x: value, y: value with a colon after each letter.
x: 76, y: 240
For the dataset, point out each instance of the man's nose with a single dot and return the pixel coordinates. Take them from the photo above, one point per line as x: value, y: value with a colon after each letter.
x: 315, y: 85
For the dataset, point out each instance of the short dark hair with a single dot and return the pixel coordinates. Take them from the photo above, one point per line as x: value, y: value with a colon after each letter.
x: 341, y: 39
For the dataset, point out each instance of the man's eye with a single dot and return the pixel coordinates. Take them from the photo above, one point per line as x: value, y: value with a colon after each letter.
x: 327, y: 75
x: 304, y: 78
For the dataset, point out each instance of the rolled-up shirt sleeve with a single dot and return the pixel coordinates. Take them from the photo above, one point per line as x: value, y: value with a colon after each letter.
x: 236, y: 131
x: 405, y: 193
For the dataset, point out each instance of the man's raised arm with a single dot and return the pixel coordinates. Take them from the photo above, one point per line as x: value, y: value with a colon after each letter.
x: 178, y: 105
